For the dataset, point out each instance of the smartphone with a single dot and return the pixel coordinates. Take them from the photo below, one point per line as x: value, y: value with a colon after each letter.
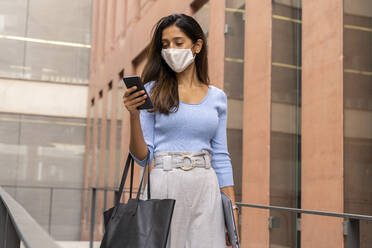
x: 136, y: 81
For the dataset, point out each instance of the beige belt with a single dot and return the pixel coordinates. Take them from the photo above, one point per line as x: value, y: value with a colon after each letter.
x: 168, y: 160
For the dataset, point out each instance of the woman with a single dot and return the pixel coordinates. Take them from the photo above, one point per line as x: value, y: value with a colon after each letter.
x: 185, y: 133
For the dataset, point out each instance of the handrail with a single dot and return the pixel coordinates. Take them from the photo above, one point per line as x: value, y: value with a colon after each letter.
x: 42, y: 187
x: 20, y: 226
x: 60, y: 187
x: 305, y: 211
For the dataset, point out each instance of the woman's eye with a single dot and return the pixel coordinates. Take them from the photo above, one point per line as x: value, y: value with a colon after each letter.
x: 179, y: 44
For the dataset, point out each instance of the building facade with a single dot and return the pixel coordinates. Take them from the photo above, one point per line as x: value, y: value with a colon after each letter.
x: 298, y: 76
x: 44, y: 70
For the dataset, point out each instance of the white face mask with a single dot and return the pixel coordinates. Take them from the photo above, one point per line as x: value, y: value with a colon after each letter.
x: 178, y: 59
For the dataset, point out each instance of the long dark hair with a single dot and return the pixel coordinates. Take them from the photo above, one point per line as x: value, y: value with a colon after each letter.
x: 164, y: 93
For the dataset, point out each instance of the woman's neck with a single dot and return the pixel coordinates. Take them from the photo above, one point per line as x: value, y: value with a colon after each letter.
x: 188, y: 78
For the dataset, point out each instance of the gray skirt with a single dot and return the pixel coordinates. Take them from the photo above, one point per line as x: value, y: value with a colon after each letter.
x: 198, y: 216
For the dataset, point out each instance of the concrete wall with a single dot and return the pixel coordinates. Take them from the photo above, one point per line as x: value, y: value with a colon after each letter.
x: 41, y: 98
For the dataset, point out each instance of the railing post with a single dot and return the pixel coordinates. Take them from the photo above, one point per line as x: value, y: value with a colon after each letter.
x: 351, y: 232
x: 92, y: 217
x: 17, y: 225
x: 11, y: 237
x: 274, y: 222
x: 50, y: 211
x: 2, y: 223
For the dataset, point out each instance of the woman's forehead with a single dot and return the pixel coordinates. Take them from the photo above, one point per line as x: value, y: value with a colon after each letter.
x: 173, y: 32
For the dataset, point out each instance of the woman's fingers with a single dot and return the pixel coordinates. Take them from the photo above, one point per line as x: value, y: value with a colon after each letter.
x: 136, y: 100
x: 139, y: 104
x: 129, y: 91
x: 136, y: 94
x: 129, y: 95
x: 227, y: 239
x: 132, y: 99
x: 133, y: 95
x: 133, y: 104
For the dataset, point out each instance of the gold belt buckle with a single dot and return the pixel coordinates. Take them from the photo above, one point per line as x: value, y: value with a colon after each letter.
x: 192, y: 164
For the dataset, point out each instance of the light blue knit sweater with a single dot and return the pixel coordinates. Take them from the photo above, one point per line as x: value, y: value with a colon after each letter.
x: 193, y: 127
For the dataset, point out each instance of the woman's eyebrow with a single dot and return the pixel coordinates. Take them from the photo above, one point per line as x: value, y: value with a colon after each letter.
x: 174, y: 38
x: 177, y: 38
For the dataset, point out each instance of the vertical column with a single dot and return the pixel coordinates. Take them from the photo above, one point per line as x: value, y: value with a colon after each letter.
x: 102, y: 161
x: 125, y: 139
x: 110, y: 24
x: 120, y: 17
x: 93, y: 175
x: 322, y: 122
x: 113, y: 108
x: 87, y: 172
x: 94, y: 35
x: 256, y: 122
x: 102, y: 34
x: 99, y: 30
x: 134, y: 11
x: 113, y: 20
x: 216, y: 42
x: 125, y: 18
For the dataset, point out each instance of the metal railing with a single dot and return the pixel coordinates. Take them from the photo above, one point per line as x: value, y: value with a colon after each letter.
x: 50, y: 194
x: 17, y: 226
x: 351, y: 223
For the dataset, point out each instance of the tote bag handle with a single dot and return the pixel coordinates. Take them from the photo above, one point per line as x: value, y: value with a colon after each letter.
x: 130, y: 163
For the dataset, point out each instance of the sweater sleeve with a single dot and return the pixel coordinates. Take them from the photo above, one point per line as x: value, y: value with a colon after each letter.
x: 221, y: 161
x: 147, y: 125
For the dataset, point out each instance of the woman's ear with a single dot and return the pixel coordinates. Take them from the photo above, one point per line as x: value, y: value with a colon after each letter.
x: 198, y: 46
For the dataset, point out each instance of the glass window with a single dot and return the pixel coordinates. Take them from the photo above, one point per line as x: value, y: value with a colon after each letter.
x: 42, y: 166
x: 234, y: 49
x: 285, y: 144
x: 118, y: 151
x: 233, y: 85
x: 10, y: 148
x: 90, y: 163
x: 45, y: 40
x: 358, y: 112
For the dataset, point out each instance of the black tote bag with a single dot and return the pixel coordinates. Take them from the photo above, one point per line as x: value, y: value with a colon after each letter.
x: 137, y: 223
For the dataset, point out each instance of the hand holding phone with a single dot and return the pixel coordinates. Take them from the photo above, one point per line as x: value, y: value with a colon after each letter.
x: 136, y: 96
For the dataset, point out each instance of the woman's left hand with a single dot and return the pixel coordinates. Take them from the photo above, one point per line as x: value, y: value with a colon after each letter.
x: 229, y: 190
x: 236, y: 217
x: 227, y: 239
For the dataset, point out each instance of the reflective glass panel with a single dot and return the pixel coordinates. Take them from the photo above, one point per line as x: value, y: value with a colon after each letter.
x: 45, y: 40
x: 285, y: 145
x: 358, y: 113
x: 233, y: 85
